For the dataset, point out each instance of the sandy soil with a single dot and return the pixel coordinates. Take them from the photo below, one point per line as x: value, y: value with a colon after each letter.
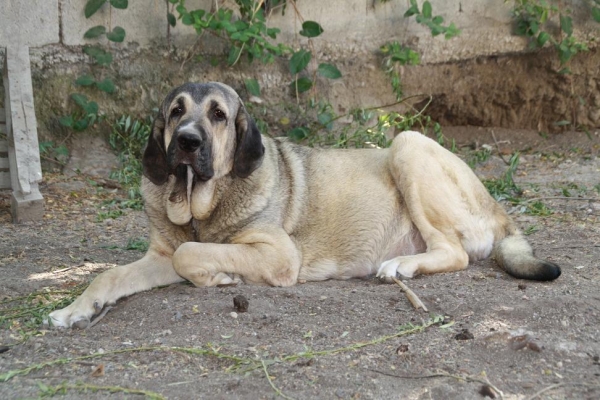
x: 357, y: 339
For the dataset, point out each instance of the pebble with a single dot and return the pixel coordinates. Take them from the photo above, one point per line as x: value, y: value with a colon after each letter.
x: 233, y: 314
x: 241, y: 303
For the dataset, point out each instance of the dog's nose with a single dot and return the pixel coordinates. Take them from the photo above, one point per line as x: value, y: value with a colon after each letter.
x: 188, y: 142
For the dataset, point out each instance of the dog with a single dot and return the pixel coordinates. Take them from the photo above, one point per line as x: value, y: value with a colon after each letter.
x: 226, y: 204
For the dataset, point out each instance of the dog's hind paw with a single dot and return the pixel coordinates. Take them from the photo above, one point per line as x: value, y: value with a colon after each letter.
x: 399, y: 267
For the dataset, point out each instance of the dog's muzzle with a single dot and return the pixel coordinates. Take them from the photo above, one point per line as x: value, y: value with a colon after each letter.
x: 190, y: 147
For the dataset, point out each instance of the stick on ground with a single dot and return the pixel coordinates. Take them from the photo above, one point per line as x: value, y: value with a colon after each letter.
x: 412, y: 297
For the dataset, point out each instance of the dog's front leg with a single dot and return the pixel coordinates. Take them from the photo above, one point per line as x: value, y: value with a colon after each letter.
x: 258, y: 256
x: 150, y: 271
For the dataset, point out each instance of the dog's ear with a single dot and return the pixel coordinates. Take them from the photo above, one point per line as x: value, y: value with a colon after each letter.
x: 249, y: 149
x: 154, y: 159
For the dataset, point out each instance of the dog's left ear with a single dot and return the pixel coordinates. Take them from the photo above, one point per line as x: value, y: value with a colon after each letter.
x: 154, y: 159
x: 249, y: 151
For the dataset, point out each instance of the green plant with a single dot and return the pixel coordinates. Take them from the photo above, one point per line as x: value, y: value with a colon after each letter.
x: 87, y: 112
x: 26, y: 314
x: 128, y: 137
x: 478, y: 156
x: 249, y: 35
x: 425, y: 17
x: 505, y: 188
x: 139, y: 244
x: 394, y: 56
x: 534, y: 19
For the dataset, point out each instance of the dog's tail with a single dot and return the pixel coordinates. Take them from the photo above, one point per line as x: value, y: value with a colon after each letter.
x: 515, y: 256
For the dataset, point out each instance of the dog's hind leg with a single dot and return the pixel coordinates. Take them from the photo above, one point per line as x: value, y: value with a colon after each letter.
x: 447, y: 204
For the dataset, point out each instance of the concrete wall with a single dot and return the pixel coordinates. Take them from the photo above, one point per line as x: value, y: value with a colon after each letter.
x: 349, y: 24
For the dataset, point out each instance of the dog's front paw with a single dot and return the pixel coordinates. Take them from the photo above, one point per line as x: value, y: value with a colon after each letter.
x: 77, y: 315
x: 399, y: 267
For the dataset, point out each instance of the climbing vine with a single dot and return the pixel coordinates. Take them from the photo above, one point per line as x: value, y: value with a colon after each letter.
x: 535, y: 20
x: 87, y: 111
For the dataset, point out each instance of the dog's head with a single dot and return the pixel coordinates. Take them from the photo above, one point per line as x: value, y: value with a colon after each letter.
x: 204, y: 126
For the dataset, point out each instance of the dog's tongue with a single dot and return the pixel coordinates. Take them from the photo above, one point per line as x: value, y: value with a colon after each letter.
x: 190, y: 181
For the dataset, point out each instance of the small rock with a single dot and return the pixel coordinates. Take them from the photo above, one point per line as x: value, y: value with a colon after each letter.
x: 240, y: 303
x: 464, y: 335
x: 233, y: 314
x: 4, y: 349
x: 403, y: 348
x: 522, y: 286
x: 323, y: 298
x: 487, y: 391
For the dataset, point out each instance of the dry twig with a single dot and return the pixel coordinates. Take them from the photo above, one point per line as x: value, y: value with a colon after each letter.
x: 410, y: 295
x: 99, y: 317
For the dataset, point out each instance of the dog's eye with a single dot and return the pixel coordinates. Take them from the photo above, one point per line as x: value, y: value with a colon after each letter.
x: 177, y: 111
x: 219, y: 114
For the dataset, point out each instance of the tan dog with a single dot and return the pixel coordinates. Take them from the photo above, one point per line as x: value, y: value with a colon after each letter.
x: 226, y: 203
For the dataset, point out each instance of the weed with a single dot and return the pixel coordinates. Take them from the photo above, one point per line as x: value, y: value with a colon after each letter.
x: 505, y: 187
x: 128, y: 137
x: 139, y: 244
x: 531, y: 229
x: 537, y: 208
x: 63, y: 388
x: 243, y: 364
x: 478, y: 156
x: 26, y: 314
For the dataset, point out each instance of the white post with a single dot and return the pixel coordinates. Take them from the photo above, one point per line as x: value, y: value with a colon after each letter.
x: 23, y: 148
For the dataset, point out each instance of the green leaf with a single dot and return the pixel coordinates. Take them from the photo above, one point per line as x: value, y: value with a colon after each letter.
x: 542, y: 38
x: 92, y: 6
x: 81, y: 125
x: 91, y: 107
x: 187, y: 19
x: 566, y: 24
x: 252, y: 87
x: 298, y: 134
x: 427, y: 9
x: 234, y: 55
x: 67, y: 121
x: 311, y: 29
x: 85, y: 80
x: 414, y: 9
x: 301, y: 84
x: 299, y: 61
x: 94, y: 32
x: 116, y: 35
x: 596, y: 14
x: 121, y: 4
x: 79, y: 99
x: 106, y: 85
x: 102, y: 57
x: 171, y: 18
x: 329, y: 71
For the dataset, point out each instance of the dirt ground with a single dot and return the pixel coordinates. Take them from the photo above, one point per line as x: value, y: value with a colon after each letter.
x: 356, y: 339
